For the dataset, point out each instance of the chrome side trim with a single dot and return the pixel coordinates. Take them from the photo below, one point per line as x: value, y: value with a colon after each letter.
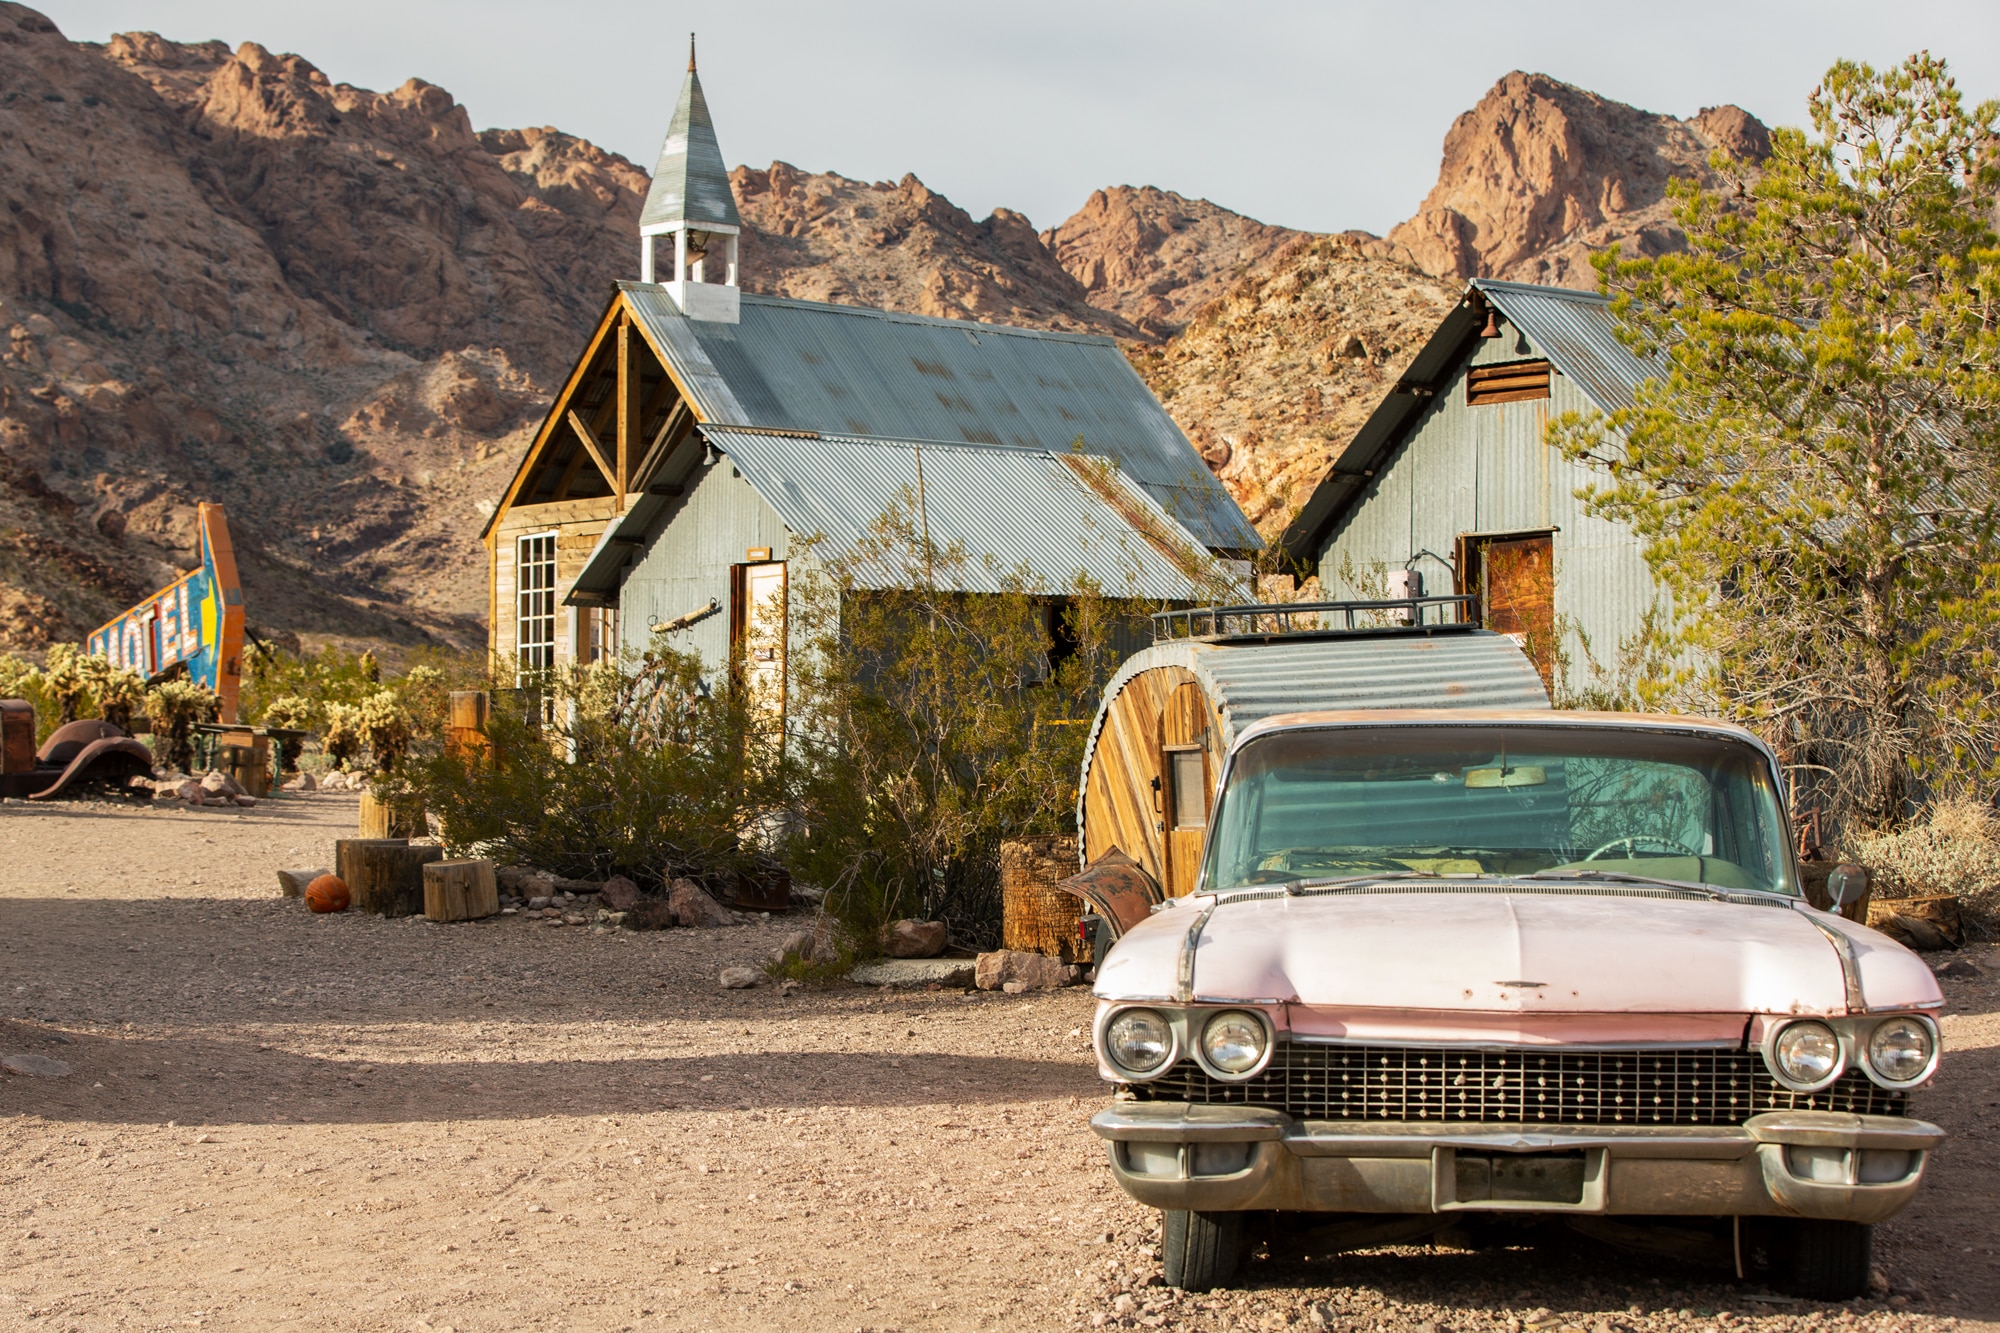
x: 1184, y: 978
x: 1850, y: 966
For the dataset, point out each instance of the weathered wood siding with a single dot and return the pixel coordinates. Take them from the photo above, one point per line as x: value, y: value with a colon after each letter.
x: 1488, y: 469
x: 577, y: 525
x: 1123, y: 808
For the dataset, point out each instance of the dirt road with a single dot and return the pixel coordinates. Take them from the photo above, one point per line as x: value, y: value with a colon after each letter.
x: 280, y: 1121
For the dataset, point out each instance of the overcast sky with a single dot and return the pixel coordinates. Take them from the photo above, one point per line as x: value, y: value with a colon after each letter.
x: 1322, y: 116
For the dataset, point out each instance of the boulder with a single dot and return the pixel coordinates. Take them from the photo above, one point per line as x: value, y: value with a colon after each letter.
x: 219, y: 783
x: 183, y: 789
x: 913, y: 939
x: 302, y: 782
x: 741, y: 978
x: 652, y: 914
x: 689, y: 905
x: 246, y: 800
x: 914, y: 973
x: 619, y: 894
x: 292, y: 883
x: 37, y: 1066
x: 1034, y: 971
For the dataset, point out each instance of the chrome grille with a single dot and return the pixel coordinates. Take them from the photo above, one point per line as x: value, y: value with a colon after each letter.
x: 1663, y: 1087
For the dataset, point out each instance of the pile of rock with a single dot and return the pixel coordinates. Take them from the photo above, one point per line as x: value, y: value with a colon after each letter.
x: 1014, y: 971
x: 215, y: 788
x: 340, y: 780
x: 617, y: 902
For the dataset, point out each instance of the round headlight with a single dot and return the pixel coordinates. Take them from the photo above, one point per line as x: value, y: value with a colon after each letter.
x: 1139, y: 1041
x: 1233, y: 1042
x: 1807, y: 1055
x: 1900, y: 1050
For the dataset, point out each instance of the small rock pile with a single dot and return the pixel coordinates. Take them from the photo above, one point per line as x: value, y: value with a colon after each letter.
x: 616, y: 903
x: 215, y: 788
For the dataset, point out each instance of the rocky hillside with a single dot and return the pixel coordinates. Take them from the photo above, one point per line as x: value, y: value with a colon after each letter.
x: 1156, y: 258
x: 340, y: 312
x: 225, y: 277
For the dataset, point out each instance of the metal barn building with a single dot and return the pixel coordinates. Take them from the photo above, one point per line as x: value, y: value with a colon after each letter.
x: 706, y: 433
x: 1451, y: 477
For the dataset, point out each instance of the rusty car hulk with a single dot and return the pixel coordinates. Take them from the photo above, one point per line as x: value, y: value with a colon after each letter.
x: 1443, y: 967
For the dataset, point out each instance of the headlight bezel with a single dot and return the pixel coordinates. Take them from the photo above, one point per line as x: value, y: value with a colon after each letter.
x: 1841, y: 1053
x: 1174, y: 1043
x: 1200, y: 1021
x: 1865, y: 1050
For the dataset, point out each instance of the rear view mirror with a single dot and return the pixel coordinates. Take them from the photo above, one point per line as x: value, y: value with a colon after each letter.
x: 1846, y: 884
x: 1518, y: 775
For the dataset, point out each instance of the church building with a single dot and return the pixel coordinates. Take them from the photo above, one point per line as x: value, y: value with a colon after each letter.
x: 706, y: 432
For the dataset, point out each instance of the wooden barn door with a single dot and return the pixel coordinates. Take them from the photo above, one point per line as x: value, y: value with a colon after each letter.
x: 1514, y: 579
x: 1185, y: 786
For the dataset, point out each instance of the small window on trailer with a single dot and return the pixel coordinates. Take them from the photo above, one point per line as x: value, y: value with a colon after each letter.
x: 1515, y: 382
x: 535, y: 601
x: 1187, y: 772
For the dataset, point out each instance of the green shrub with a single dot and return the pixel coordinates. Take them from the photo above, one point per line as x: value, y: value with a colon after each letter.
x: 174, y: 707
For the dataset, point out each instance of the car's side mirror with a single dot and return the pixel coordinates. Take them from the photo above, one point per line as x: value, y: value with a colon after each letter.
x: 1846, y: 884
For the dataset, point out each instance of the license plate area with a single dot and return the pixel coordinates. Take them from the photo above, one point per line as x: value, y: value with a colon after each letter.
x: 1570, y: 1180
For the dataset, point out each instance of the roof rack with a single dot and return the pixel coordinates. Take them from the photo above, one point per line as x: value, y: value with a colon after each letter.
x: 1265, y: 619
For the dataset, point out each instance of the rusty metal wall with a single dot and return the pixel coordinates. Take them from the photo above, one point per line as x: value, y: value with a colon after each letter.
x: 1488, y: 469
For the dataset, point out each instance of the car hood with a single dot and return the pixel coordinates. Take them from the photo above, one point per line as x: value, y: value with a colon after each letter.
x: 1511, y: 949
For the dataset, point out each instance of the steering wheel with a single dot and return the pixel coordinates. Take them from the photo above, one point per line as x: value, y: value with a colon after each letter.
x: 1654, y: 842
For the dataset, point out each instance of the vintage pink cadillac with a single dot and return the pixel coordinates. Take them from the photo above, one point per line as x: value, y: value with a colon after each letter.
x: 1441, y: 967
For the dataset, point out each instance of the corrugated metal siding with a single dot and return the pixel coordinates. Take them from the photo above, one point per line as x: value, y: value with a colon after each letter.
x: 1576, y: 331
x: 1489, y: 469
x: 803, y: 365
x: 1253, y: 681
x: 719, y: 520
x: 1008, y: 510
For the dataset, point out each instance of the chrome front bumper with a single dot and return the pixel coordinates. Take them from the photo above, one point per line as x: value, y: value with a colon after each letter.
x: 1823, y: 1164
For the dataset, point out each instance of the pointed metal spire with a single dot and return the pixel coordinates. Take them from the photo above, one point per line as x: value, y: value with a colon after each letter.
x: 690, y: 183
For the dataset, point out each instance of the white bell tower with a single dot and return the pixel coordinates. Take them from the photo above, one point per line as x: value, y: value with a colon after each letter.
x: 690, y: 204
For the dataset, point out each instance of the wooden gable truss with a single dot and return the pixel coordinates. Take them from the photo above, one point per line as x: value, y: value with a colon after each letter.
x: 615, y: 420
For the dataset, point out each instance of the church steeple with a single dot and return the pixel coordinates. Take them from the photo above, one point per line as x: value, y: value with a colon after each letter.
x: 691, y: 201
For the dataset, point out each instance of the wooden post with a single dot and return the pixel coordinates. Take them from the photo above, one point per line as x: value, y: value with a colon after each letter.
x: 384, y: 875
x: 465, y: 728
x: 460, y: 890
x: 380, y: 819
x: 1036, y: 916
x: 628, y: 385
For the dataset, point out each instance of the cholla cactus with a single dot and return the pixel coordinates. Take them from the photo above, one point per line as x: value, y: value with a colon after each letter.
x: 342, y: 738
x: 121, y: 694
x: 20, y: 679
x: 174, y: 707
x: 289, y: 712
x: 386, y: 726
x: 69, y: 677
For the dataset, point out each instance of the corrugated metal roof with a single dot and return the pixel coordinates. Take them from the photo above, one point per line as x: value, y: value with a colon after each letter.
x: 1574, y: 330
x: 1250, y: 681
x: 845, y: 370
x: 690, y: 182
x: 1008, y: 510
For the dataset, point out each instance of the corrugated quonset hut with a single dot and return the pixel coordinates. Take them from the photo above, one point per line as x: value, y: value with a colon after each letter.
x: 1170, y: 715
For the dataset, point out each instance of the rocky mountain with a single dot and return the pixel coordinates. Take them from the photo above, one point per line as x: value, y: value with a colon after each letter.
x: 341, y: 312
x: 1155, y: 258
x: 1541, y: 174
x: 225, y: 277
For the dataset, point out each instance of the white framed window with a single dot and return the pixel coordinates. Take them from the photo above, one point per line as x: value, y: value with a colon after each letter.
x: 535, y: 601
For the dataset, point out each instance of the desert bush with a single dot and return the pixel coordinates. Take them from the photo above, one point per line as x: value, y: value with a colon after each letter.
x: 1954, y: 848
x: 67, y: 676
x: 637, y: 766
x: 926, y: 724
x: 121, y: 694
x: 22, y: 679
x: 309, y: 684
x: 174, y: 707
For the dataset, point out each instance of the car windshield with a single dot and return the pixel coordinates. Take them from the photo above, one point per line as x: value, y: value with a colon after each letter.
x: 1502, y: 801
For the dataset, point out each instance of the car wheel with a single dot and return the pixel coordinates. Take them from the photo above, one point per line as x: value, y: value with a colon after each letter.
x: 1825, y: 1261
x: 1201, y: 1251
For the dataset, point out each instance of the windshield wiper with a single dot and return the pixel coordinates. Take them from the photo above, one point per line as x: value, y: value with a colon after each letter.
x: 1291, y: 888
x: 1626, y: 877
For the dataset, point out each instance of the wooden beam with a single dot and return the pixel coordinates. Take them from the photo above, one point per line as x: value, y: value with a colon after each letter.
x: 628, y: 388
x: 604, y: 464
x: 663, y: 441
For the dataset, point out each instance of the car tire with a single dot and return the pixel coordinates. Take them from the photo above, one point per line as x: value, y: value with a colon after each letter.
x: 1826, y: 1261
x: 1200, y: 1251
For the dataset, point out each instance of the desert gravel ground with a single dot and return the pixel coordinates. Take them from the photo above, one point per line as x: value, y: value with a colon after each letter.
x: 280, y: 1121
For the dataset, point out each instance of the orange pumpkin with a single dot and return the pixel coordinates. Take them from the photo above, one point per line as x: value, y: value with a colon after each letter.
x: 328, y: 893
